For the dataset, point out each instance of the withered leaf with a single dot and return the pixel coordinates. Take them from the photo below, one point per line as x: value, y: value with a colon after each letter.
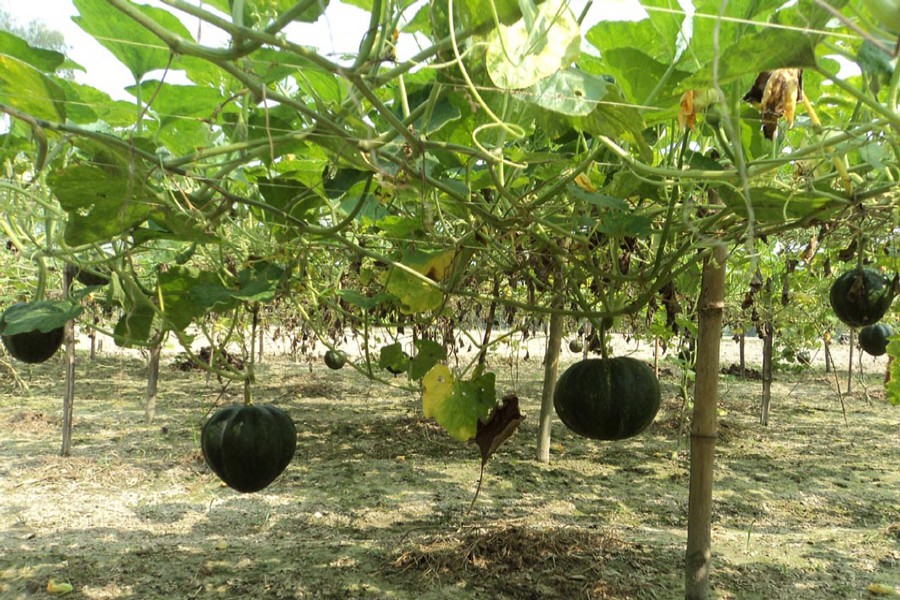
x: 775, y: 94
x: 848, y: 253
x: 501, y: 424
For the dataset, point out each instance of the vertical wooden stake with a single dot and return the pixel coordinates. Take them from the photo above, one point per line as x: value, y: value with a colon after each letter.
x: 551, y: 369
x: 768, y: 350
x: 152, y: 381
x: 704, y: 427
x: 69, y: 397
x: 850, y: 363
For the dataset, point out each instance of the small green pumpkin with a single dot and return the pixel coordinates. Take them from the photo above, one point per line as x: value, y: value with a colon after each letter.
x: 33, y: 346
x: 861, y: 296
x: 576, y: 346
x: 248, y: 446
x: 607, y: 399
x: 334, y: 360
x: 874, y: 338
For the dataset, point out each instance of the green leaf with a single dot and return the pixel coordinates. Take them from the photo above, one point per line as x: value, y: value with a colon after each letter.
x: 47, y: 61
x: 618, y: 224
x: 639, y: 75
x: 393, y: 358
x: 259, y: 283
x: 414, y: 294
x: 656, y: 36
x: 615, y: 118
x: 42, y: 316
x: 25, y: 88
x: 132, y: 44
x: 177, y: 285
x: 568, y: 92
x: 457, y: 405
x: 102, y: 201
x: 428, y: 354
x: 86, y: 105
x: 764, y: 51
x: 361, y: 301
x: 520, y: 55
x: 597, y: 199
x: 290, y: 197
x: 135, y: 326
x: 893, y: 384
x: 771, y: 205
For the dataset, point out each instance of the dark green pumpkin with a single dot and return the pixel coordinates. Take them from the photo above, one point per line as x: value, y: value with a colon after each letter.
x: 576, y: 346
x: 607, y: 399
x: 90, y: 278
x: 861, y: 296
x: 874, y: 338
x: 31, y: 346
x: 248, y: 446
x: 334, y: 360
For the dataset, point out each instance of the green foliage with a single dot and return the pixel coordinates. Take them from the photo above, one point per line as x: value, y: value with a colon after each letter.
x: 500, y: 173
x: 458, y: 404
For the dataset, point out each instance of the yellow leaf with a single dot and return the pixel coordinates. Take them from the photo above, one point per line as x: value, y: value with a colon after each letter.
x: 880, y: 590
x: 438, y: 383
x: 584, y: 182
x: 59, y: 588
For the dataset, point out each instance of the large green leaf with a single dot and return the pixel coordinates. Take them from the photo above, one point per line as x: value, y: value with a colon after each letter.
x: 393, y: 358
x: 615, y: 118
x: 47, y: 61
x: 178, y: 102
x: 135, y: 325
x: 87, y: 105
x: 656, y: 36
x: 458, y: 405
x: 428, y: 354
x: 569, y: 92
x: 745, y: 17
x: 415, y: 294
x: 290, y: 197
x: 25, y: 88
x: 534, y: 47
x: 101, y: 203
x: 639, y: 74
x: 43, y: 316
x: 132, y: 44
x: 176, y: 285
x: 764, y: 51
x: 190, y: 293
x: 771, y: 205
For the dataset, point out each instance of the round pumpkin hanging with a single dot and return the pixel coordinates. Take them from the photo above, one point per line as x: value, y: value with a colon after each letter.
x: 248, y: 446
x: 861, y: 296
x: 607, y: 398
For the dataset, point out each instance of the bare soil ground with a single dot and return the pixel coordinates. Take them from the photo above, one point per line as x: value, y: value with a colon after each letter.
x: 374, y: 503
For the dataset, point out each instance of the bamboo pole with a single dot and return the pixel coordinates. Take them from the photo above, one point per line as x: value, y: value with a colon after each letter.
x: 551, y: 369
x: 704, y: 427
x: 69, y: 397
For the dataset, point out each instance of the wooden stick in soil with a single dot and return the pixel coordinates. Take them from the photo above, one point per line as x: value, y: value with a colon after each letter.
x: 69, y: 397
x: 704, y: 427
x: 768, y: 350
x: 850, y: 364
x: 551, y: 369
x: 152, y: 381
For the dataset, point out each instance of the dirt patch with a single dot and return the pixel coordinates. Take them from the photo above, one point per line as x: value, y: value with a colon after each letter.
x: 374, y: 503
x: 516, y: 561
